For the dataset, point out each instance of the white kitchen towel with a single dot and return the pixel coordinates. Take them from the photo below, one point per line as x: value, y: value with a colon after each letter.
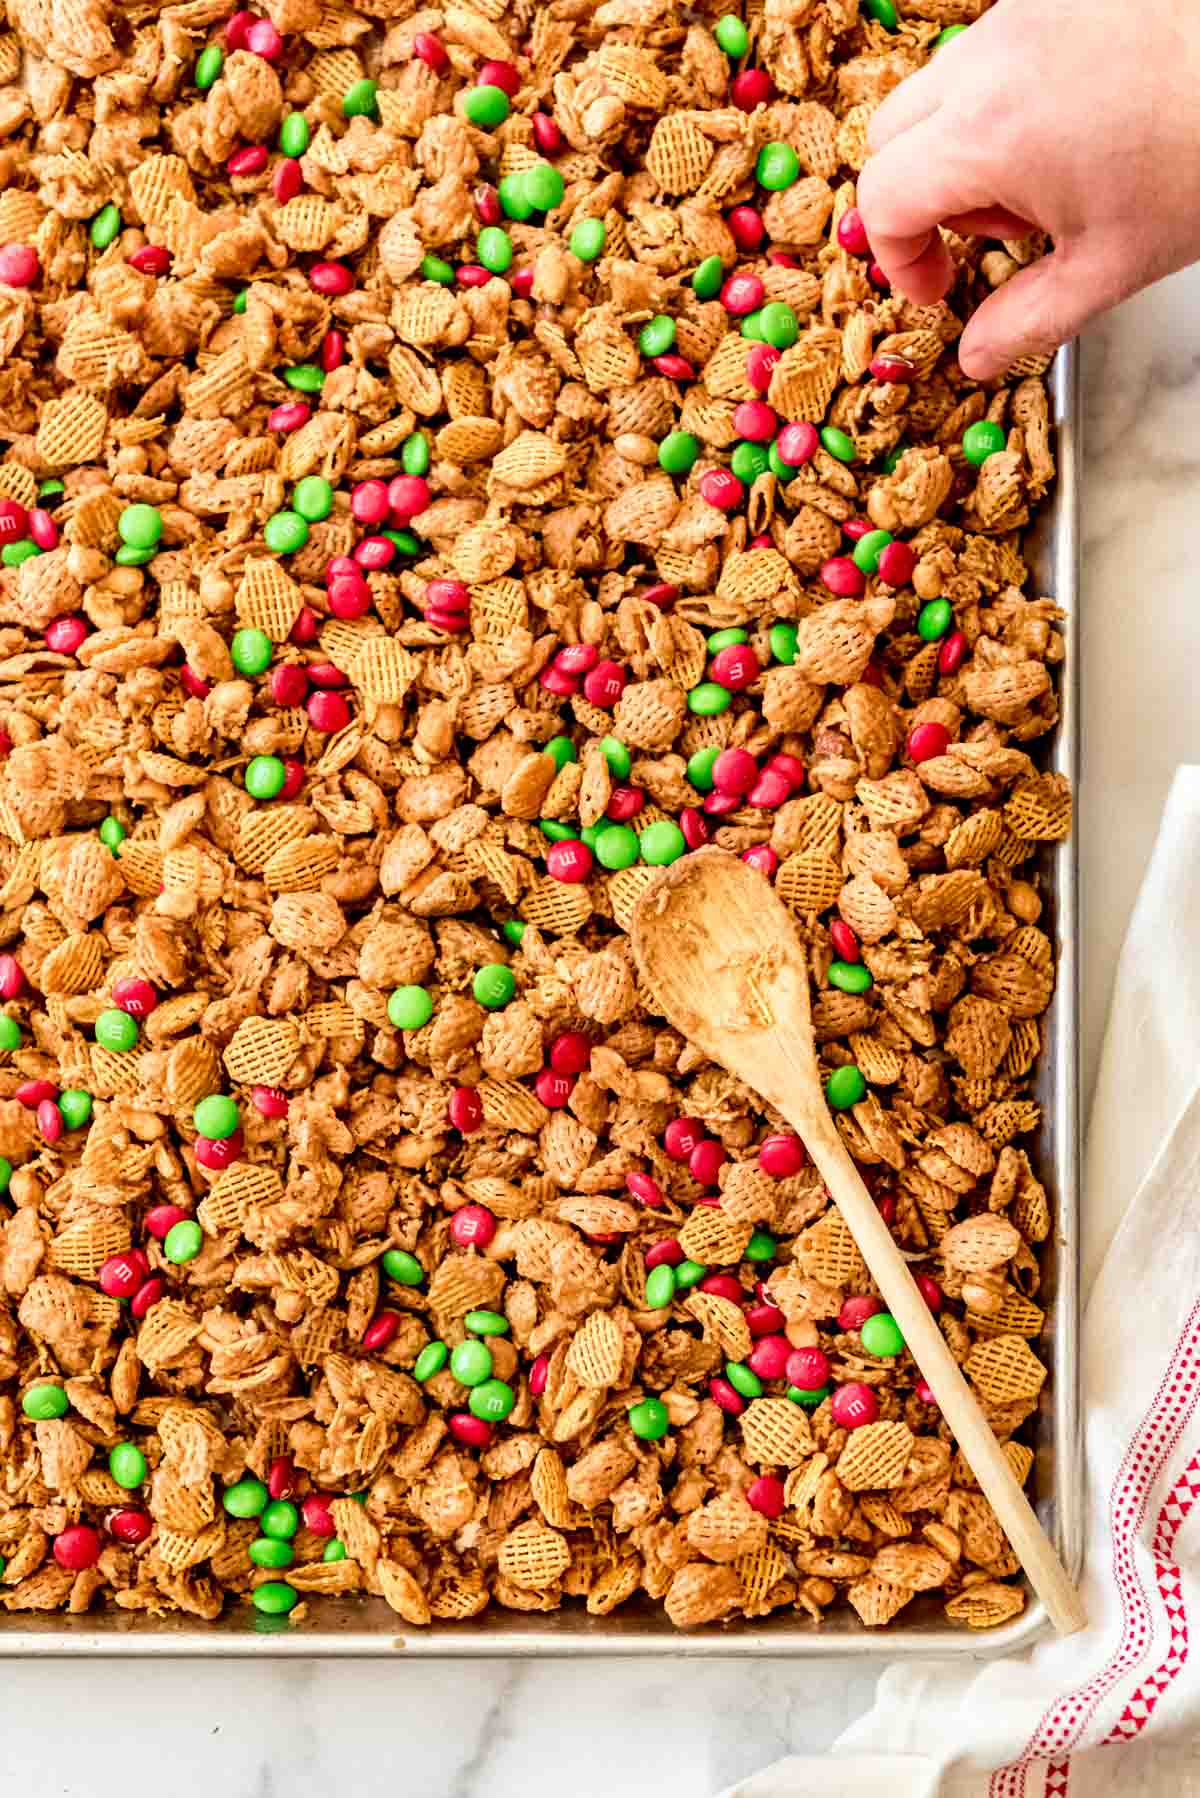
x: 1114, y: 1710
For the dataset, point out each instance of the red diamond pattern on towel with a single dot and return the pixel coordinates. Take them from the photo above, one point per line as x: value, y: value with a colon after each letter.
x: 1065, y: 1720
x: 1058, y: 1775
x: 1141, y: 1706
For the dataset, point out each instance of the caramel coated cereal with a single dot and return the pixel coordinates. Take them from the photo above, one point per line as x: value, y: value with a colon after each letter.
x: 452, y: 464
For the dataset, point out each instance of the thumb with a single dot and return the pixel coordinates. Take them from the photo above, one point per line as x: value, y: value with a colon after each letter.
x: 1035, y: 312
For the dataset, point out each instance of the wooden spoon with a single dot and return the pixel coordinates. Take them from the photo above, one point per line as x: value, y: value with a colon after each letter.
x: 721, y: 956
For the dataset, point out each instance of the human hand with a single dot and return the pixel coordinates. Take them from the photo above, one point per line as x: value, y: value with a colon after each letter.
x: 1078, y: 117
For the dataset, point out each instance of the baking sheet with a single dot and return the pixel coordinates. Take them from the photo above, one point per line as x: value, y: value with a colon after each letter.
x: 346, y: 1627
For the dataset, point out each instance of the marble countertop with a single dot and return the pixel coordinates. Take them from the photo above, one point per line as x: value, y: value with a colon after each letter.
x: 657, y: 1729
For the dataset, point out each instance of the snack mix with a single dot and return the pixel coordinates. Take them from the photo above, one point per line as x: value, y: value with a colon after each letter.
x: 455, y: 462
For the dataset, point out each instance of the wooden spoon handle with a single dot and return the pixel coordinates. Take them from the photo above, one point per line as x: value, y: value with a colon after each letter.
x: 929, y: 1350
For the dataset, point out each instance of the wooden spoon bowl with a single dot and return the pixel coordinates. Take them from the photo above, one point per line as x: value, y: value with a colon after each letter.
x: 722, y: 958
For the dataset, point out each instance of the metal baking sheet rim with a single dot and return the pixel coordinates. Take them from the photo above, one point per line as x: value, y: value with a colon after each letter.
x: 350, y: 1627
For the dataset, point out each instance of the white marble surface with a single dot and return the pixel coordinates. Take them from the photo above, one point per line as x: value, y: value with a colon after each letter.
x: 643, y: 1729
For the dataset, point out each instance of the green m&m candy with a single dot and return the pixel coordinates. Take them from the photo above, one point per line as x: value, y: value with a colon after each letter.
x: 850, y: 976
x: 649, y: 1420
x: 748, y: 461
x: 280, y: 1519
x: 709, y: 278
x: 513, y: 195
x: 335, y: 1550
x: 934, y: 620
x: 494, y: 986
x: 708, y: 699
x: 433, y: 268
x: 414, y: 454
x: 657, y: 337
x: 274, y: 1599
x: 700, y: 767
x: 838, y: 445
x: 113, y: 834
x: 183, y: 1242
x: 783, y: 471
x: 409, y: 1008
x: 50, y: 488
x: 892, y: 460
x: 880, y: 1335
x: 246, y: 1498
x: 558, y: 832
x: 265, y: 777
x: 512, y: 930
x: 116, y: 1030
x: 239, y: 300
x: 732, y: 35
x: 105, y: 227
x: 76, y: 1107
x: 13, y: 554
x: 777, y: 325
x: 777, y: 167
x: 359, y: 100
x: 471, y: 1363
x: 216, y: 1116
x: 543, y: 186
x: 432, y: 1358
x: 486, y: 106
x: 402, y: 1267
x: 761, y: 1246
x: 743, y: 1379
x: 678, y: 451
x: 561, y: 750
x: 868, y: 550
x: 209, y: 64
x: 810, y: 1397
x: 587, y: 239
x: 982, y: 439
x: 660, y: 1286
x: 688, y: 1274
x: 294, y: 135
x: 140, y: 526
x: 268, y: 1551
x: 883, y: 12
x: 662, y: 843
x: 616, y: 756
x: 782, y: 638
x: 312, y: 499
x: 285, y: 533
x: 617, y: 846
x: 127, y: 1464
x: 6, y: 1173
x: 494, y: 249
x: 41, y: 1403
x: 304, y: 377
x: 751, y: 325
x: 492, y: 1401
x: 948, y: 36
x: 727, y: 639
x: 845, y: 1087
x: 251, y: 650
x: 10, y: 1033
x: 487, y: 1323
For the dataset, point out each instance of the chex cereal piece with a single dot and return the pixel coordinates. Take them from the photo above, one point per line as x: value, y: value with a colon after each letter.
x: 875, y: 1456
x: 1005, y: 1368
x: 261, y: 1051
x: 533, y: 1556
x: 775, y: 1432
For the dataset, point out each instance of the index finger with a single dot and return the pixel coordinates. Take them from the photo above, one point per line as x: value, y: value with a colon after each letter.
x: 916, y: 182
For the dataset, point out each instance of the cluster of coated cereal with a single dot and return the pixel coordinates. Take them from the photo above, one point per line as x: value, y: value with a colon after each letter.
x: 456, y: 461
